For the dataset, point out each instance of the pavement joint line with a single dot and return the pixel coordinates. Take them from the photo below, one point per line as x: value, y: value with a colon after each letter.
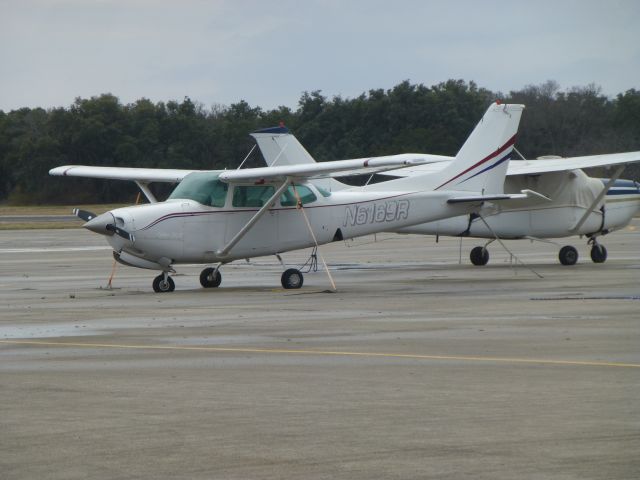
x: 529, y: 361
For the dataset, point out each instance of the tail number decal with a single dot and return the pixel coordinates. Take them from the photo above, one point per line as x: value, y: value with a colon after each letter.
x: 389, y: 211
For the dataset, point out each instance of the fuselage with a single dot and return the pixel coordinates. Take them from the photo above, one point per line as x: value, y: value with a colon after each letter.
x: 193, y: 226
x: 554, y: 219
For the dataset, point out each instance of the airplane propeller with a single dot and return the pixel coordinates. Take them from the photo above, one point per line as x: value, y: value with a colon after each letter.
x: 119, y: 231
x: 84, y: 214
x: 105, y: 225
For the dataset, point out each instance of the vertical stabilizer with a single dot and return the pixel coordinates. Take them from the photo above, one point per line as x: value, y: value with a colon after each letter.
x: 279, y: 147
x: 481, y: 164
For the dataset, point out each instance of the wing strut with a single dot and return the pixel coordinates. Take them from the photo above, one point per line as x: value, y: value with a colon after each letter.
x: 144, y: 186
x: 598, y: 199
x: 505, y: 247
x: 243, y: 231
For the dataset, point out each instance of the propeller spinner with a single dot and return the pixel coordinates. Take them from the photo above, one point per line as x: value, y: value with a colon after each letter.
x: 105, y: 224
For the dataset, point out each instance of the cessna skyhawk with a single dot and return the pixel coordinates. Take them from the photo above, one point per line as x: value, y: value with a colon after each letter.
x: 570, y: 202
x: 216, y: 217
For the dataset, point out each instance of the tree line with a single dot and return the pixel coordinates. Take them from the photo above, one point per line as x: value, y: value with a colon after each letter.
x: 406, y: 118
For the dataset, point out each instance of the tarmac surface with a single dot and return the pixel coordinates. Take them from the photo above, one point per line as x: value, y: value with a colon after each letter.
x: 417, y: 367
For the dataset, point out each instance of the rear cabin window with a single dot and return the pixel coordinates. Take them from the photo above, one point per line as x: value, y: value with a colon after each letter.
x: 324, y: 192
x: 288, y: 198
x: 202, y: 187
x: 252, y: 196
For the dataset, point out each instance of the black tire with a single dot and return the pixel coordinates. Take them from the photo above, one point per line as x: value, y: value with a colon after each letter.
x: 292, y: 278
x: 479, y: 256
x: 208, y: 280
x: 598, y: 253
x: 162, y: 286
x: 568, y: 255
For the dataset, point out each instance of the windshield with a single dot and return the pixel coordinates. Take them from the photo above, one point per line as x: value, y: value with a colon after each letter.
x: 203, y: 187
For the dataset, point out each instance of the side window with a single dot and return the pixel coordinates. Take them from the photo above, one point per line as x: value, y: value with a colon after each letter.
x: 252, y: 196
x: 218, y: 194
x: 288, y: 198
x: 324, y: 192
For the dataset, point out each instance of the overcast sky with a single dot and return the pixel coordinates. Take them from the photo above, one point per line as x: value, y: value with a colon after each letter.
x: 269, y: 52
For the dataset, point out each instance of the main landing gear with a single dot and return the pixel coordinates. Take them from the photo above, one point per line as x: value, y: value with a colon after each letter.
x: 292, y: 278
x: 163, y: 283
x: 211, y: 278
x: 568, y: 255
x: 479, y: 256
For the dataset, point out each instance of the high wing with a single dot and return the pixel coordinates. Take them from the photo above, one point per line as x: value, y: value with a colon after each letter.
x: 320, y: 170
x: 144, y: 175
x: 534, y: 167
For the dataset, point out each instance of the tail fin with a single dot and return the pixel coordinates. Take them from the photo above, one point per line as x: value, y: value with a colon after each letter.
x: 279, y: 147
x: 481, y: 164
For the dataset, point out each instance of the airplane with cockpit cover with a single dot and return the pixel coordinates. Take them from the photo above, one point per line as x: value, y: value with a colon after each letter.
x: 569, y: 201
x: 216, y: 217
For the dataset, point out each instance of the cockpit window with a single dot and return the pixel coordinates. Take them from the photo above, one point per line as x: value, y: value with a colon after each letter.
x: 202, y: 187
x: 288, y: 198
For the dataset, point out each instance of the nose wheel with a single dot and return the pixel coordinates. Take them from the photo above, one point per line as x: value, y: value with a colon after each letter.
x: 163, y: 283
x: 598, y: 253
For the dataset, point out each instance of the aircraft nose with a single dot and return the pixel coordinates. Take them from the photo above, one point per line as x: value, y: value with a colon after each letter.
x: 100, y: 223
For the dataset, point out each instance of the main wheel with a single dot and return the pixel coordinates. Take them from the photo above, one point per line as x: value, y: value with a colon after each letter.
x: 208, y: 279
x: 598, y: 253
x: 292, y: 278
x: 160, y: 285
x: 568, y: 255
x: 479, y: 256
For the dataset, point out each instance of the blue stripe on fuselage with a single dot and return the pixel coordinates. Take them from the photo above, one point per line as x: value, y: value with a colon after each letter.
x: 622, y: 187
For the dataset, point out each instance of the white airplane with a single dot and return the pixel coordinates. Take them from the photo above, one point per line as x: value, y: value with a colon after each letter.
x: 216, y: 217
x: 569, y: 202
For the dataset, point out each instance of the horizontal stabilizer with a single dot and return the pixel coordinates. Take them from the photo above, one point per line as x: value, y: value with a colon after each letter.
x: 527, y: 195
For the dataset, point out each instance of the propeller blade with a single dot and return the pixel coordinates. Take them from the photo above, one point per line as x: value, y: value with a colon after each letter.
x: 84, y: 214
x: 119, y: 231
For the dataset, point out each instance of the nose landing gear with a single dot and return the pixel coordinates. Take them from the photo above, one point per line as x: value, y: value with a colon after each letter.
x: 598, y: 252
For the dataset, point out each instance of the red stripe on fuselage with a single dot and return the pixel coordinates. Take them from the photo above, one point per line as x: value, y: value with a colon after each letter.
x: 510, y: 142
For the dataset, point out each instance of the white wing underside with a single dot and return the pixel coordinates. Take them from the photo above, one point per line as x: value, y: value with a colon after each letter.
x: 306, y: 171
x: 321, y: 170
x: 404, y: 165
x: 144, y: 175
